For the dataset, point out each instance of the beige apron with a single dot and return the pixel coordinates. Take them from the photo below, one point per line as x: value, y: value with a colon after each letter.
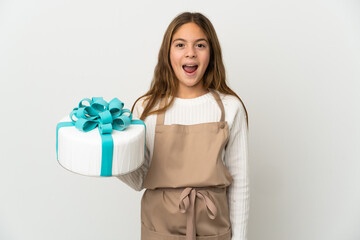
x: 187, y: 182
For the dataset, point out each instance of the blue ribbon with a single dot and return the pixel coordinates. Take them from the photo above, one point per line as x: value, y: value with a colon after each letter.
x: 106, y: 117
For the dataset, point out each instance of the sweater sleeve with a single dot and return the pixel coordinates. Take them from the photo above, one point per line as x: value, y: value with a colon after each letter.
x: 236, y: 161
x: 135, y: 179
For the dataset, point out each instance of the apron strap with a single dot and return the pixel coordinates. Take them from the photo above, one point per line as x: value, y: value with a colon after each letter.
x: 219, y: 102
x: 161, y: 116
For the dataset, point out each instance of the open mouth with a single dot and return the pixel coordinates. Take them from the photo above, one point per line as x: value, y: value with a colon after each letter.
x: 190, y: 68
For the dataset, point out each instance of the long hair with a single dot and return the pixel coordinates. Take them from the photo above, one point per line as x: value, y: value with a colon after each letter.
x: 165, y: 83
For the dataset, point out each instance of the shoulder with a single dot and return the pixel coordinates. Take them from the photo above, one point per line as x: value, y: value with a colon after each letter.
x: 139, y: 107
x: 140, y: 104
x: 232, y: 104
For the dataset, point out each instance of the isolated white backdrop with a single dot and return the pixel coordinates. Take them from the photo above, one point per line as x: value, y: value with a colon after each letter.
x: 295, y: 64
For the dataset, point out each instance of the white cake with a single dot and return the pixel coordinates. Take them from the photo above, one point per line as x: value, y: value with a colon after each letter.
x: 82, y: 152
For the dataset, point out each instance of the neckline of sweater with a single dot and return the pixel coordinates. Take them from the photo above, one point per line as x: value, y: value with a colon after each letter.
x: 198, y: 99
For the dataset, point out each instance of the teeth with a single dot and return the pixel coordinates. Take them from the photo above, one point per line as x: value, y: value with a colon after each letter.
x: 190, y: 65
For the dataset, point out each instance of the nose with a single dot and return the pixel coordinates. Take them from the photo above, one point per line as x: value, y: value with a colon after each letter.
x: 191, y: 52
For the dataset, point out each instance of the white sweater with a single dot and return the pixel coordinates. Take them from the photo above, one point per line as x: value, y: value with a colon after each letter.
x: 235, y: 155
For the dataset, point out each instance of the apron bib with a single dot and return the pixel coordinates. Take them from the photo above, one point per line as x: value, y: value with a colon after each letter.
x: 186, y: 184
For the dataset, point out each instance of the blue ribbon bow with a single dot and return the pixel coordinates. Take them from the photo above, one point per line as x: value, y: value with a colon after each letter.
x: 99, y: 113
x: 106, y: 116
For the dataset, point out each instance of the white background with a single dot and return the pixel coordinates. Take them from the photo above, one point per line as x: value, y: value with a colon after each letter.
x: 295, y: 64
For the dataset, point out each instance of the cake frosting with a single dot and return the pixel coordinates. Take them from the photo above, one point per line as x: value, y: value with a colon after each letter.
x: 100, y: 139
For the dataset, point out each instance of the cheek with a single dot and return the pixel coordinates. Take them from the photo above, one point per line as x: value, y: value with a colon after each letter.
x: 174, y: 58
x: 174, y: 62
x: 206, y: 58
x: 206, y: 61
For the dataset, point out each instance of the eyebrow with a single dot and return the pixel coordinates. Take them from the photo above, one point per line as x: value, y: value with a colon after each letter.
x: 181, y: 39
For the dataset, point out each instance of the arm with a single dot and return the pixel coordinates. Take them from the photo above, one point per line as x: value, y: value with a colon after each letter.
x: 236, y: 161
x: 135, y: 179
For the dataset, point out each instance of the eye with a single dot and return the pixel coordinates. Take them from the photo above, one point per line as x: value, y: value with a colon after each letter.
x: 179, y: 45
x: 200, y: 45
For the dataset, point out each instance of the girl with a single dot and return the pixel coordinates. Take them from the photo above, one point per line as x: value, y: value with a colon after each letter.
x: 195, y: 170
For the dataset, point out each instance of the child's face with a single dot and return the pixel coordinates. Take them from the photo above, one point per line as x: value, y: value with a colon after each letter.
x: 189, y: 55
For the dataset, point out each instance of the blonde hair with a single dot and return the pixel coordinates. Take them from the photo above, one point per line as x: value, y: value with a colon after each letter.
x: 165, y: 83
